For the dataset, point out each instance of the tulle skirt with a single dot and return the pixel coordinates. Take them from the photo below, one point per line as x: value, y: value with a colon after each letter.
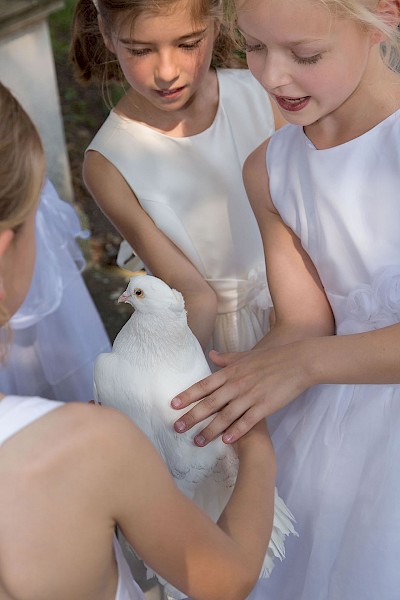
x: 57, y: 333
x: 338, y: 453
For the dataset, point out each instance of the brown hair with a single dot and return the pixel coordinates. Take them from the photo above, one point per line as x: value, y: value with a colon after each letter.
x: 21, y: 166
x: 93, y: 62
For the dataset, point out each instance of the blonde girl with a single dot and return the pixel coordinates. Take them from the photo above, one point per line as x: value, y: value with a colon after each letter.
x: 325, y: 191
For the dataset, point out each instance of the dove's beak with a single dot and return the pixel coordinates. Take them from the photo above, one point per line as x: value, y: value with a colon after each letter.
x: 123, y: 297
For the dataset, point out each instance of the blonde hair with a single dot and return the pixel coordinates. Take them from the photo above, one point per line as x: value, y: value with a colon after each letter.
x: 93, y: 62
x: 21, y: 166
x: 363, y: 12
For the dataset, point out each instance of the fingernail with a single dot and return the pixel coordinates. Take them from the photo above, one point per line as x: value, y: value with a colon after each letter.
x: 176, y: 403
x: 227, y: 438
x: 180, y: 426
x: 199, y: 440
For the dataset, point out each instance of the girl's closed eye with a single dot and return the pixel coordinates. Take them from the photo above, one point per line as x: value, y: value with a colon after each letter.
x: 139, y: 51
x: 258, y: 47
x: 307, y: 60
x: 191, y: 45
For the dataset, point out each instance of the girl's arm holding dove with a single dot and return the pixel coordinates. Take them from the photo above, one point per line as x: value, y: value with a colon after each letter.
x: 171, y: 534
x: 160, y: 255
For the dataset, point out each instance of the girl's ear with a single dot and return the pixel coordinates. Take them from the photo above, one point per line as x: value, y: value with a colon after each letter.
x: 389, y: 12
x: 106, y: 39
x: 6, y: 237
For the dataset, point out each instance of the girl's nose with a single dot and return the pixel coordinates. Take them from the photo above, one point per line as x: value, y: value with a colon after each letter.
x: 167, y: 68
x: 276, y: 72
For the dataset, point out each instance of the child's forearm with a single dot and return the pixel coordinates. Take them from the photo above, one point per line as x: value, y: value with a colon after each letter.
x: 248, y: 517
x: 201, y: 312
x: 286, y: 333
x: 371, y: 357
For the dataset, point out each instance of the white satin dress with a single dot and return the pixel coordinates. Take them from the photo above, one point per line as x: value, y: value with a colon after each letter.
x: 338, y: 446
x: 192, y: 188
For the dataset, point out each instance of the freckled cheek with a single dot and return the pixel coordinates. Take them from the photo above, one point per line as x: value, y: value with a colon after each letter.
x: 137, y: 74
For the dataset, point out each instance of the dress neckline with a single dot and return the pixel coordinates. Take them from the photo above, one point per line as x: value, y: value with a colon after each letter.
x: 368, y: 133
x: 136, y: 124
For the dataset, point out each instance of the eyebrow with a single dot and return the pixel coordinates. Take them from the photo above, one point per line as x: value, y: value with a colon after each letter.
x: 187, y: 36
x: 296, y: 43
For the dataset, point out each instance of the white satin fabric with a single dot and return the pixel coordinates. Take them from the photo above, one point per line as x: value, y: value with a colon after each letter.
x: 192, y: 188
x: 338, y: 446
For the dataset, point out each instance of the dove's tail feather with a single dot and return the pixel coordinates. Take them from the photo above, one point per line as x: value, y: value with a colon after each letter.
x: 283, y: 525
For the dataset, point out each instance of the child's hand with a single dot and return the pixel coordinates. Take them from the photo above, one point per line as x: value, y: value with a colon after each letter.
x: 255, y: 385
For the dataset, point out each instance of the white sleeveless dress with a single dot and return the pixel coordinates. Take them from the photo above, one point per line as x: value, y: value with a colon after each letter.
x: 192, y: 188
x: 338, y: 446
x: 17, y: 412
x: 57, y: 333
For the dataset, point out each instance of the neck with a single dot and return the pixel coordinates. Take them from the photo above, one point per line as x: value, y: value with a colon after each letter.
x: 375, y: 99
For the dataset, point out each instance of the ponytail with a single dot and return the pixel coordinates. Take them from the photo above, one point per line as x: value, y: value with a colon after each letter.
x: 91, y: 59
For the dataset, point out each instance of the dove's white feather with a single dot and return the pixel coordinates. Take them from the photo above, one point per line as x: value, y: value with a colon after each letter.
x: 154, y: 357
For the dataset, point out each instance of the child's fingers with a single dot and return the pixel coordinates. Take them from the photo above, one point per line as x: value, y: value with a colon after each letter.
x: 224, y: 359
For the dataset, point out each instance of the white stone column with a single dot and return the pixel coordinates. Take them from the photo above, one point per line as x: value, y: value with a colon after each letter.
x: 27, y: 69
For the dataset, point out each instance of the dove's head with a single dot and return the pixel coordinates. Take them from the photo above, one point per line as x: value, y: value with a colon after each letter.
x: 148, y: 294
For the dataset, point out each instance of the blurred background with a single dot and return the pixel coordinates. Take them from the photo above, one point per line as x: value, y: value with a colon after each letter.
x: 34, y: 44
x: 83, y: 112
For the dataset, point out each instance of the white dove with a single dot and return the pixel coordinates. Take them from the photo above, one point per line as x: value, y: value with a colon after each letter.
x: 154, y: 357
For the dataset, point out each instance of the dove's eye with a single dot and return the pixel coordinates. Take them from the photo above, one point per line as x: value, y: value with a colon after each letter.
x: 138, y: 292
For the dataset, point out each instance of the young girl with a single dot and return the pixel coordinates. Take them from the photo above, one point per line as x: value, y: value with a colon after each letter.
x: 69, y: 473
x: 325, y: 190
x: 166, y: 165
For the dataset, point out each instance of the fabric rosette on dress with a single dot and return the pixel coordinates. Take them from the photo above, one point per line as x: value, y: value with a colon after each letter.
x: 374, y: 305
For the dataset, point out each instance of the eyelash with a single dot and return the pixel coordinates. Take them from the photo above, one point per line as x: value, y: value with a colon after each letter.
x: 139, y: 53
x: 306, y: 60
x: 253, y: 48
x: 192, y: 45
x: 145, y: 51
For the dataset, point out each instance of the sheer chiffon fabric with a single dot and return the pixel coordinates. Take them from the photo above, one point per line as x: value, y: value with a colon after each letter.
x: 57, y: 333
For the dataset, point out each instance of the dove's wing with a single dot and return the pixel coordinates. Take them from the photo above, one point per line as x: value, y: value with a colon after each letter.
x: 118, y: 385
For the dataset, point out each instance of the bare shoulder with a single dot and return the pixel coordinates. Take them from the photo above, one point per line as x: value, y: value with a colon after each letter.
x: 96, y: 166
x: 255, y: 162
x: 95, y: 426
x: 71, y: 431
x: 256, y: 180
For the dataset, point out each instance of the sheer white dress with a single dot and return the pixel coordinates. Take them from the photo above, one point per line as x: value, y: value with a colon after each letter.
x: 57, y: 333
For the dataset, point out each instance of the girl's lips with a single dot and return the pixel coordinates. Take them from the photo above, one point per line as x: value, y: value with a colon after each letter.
x: 292, y: 104
x: 170, y: 93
